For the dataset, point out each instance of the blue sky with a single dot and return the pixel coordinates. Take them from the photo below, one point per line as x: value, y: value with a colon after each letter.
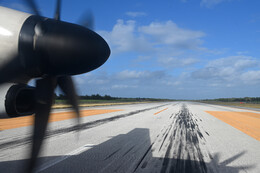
x: 179, y: 49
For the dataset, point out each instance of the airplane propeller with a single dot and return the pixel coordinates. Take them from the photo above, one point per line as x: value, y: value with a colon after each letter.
x: 59, y: 50
x: 57, y: 13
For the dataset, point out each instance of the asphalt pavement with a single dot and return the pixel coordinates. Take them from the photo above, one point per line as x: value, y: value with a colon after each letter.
x: 151, y: 137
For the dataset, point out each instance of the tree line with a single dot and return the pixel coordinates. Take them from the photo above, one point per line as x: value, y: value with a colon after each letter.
x: 108, y: 97
x: 243, y: 99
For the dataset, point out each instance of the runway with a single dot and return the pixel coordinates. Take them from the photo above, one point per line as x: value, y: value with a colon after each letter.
x: 151, y: 137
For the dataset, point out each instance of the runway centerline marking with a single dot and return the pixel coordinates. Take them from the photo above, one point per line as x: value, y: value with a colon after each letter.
x: 160, y: 111
x: 247, y: 122
x: 12, y: 123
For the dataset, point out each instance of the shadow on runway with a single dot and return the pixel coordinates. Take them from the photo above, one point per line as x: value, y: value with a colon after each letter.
x: 132, y: 152
x: 83, y: 126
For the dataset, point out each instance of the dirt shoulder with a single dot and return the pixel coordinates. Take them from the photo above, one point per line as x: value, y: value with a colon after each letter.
x: 61, y: 106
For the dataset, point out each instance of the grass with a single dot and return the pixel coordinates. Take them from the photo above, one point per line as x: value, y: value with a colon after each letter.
x: 246, y: 105
x: 101, y: 101
x: 88, y: 103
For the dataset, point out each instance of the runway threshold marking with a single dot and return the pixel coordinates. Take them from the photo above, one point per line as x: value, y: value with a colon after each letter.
x: 160, y: 111
x: 246, y: 122
x: 12, y: 123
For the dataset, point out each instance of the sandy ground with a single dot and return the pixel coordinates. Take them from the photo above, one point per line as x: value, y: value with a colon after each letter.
x: 60, y: 116
x: 246, y: 122
x: 61, y: 106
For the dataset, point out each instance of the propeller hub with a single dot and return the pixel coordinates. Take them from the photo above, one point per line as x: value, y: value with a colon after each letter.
x: 61, y: 48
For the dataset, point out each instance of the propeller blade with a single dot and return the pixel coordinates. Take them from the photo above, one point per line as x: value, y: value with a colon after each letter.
x: 67, y: 86
x: 44, y: 95
x: 87, y: 20
x: 57, y: 13
x: 32, y: 5
x: 11, y: 70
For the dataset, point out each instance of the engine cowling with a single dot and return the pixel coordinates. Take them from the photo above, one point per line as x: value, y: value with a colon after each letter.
x: 16, y: 100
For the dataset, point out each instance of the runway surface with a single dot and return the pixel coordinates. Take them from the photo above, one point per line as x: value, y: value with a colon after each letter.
x: 154, y: 137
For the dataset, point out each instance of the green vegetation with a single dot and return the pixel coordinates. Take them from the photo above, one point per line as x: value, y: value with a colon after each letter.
x: 251, y: 102
x: 96, y: 98
x: 244, y: 99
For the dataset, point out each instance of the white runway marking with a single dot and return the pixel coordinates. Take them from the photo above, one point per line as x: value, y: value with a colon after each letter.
x: 66, y: 156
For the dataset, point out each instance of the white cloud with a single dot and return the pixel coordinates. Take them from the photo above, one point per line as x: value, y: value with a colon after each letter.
x: 126, y: 79
x: 169, y: 33
x: 127, y: 74
x: 172, y: 83
x: 211, y: 3
x: 172, y: 47
x: 127, y: 37
x: 251, y: 77
x: 225, y: 73
x: 142, y: 58
x: 135, y: 14
x: 140, y: 75
x: 118, y: 86
x: 225, y: 77
x: 239, y: 62
x: 242, y: 52
x: 235, y: 69
x: 174, y: 62
x: 123, y: 38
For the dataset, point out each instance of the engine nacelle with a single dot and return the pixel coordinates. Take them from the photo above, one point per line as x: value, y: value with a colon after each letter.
x: 16, y: 100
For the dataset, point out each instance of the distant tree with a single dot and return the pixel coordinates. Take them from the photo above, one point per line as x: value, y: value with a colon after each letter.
x: 96, y: 97
x: 107, y: 97
x: 247, y: 99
